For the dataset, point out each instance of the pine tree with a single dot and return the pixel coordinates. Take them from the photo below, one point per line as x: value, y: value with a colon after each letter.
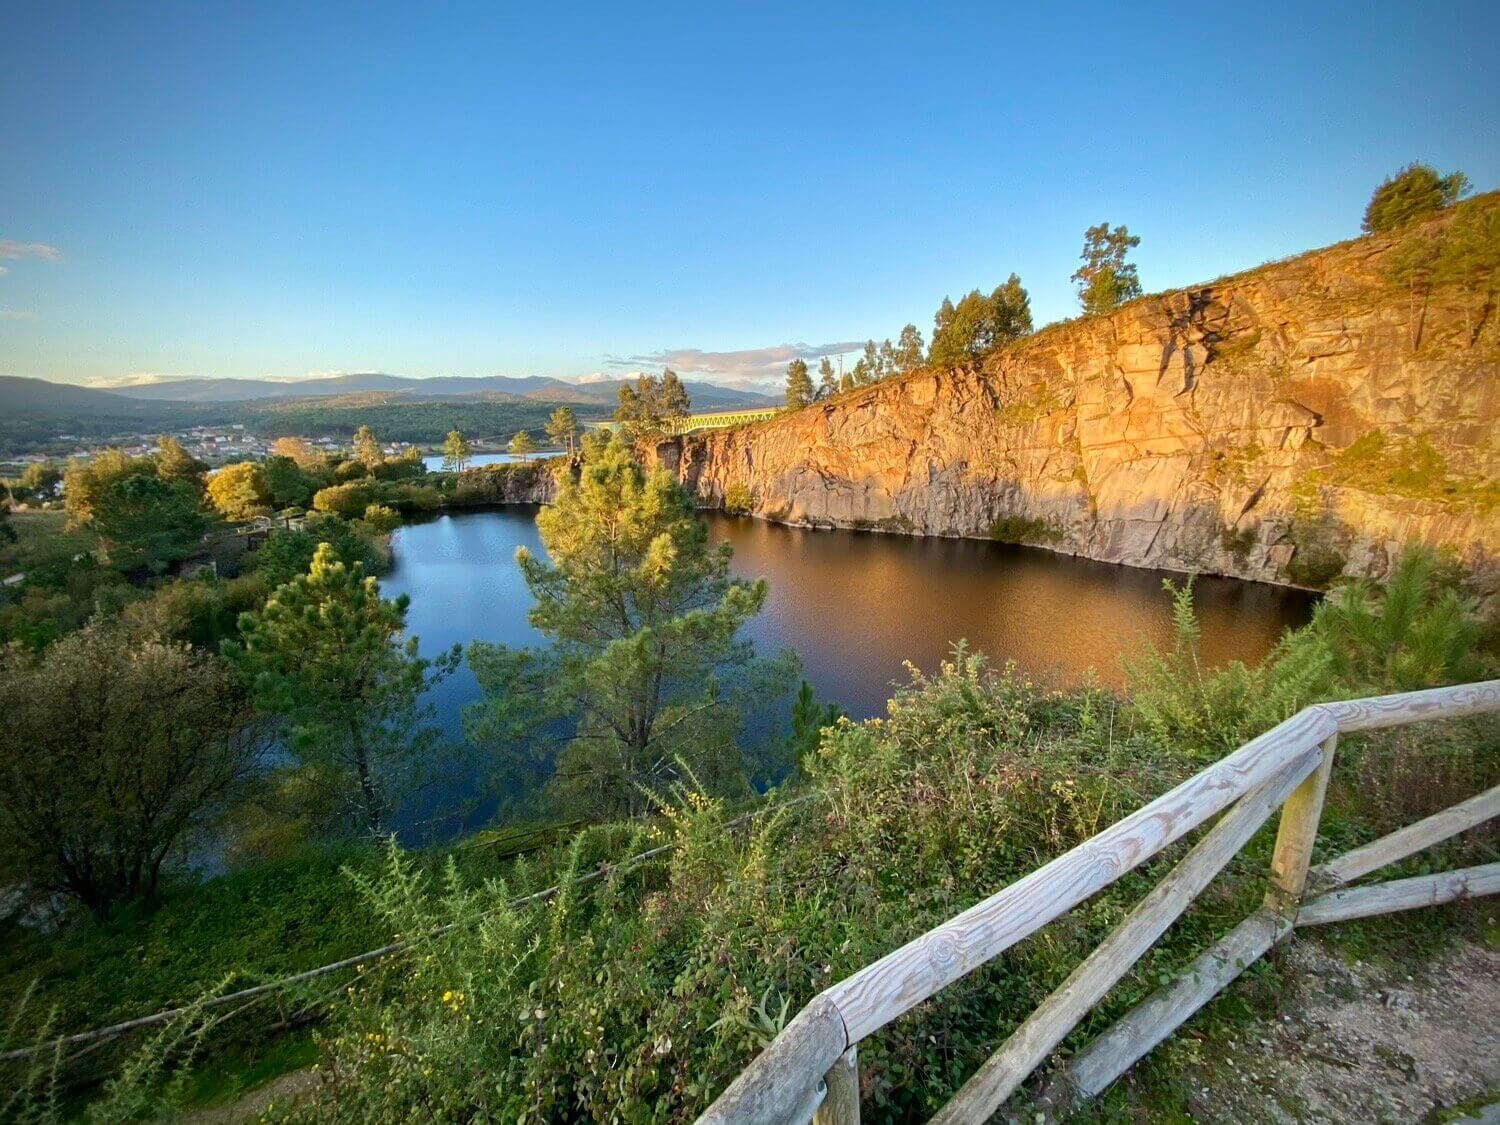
x: 456, y: 452
x: 646, y: 658
x: 521, y: 445
x: 809, y: 717
x: 1414, y: 191
x: 562, y: 428
x: 799, y: 386
x: 326, y: 655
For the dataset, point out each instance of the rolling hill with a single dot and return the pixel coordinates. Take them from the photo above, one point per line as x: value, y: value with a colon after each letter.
x: 534, y: 387
x: 35, y: 414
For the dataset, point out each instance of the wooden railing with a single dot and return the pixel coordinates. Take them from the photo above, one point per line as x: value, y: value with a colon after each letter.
x: 810, y: 1070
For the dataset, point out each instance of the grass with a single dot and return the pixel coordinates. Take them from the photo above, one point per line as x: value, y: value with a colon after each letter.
x: 1406, y: 466
x: 239, y: 1071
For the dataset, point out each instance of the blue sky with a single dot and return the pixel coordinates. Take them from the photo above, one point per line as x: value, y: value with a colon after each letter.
x: 271, y: 190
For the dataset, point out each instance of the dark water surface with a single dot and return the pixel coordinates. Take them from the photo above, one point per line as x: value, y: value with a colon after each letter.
x: 855, y: 605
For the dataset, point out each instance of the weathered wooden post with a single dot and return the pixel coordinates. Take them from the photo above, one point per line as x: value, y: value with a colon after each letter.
x: 1295, y: 838
x: 841, y: 1106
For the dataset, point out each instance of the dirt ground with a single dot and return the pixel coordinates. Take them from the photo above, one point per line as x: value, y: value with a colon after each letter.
x: 1359, y: 1044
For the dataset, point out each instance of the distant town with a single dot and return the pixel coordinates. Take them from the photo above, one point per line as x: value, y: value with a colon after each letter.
x: 213, y: 445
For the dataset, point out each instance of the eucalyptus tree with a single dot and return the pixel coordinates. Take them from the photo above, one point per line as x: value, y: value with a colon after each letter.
x: 965, y: 332
x: 1106, y: 279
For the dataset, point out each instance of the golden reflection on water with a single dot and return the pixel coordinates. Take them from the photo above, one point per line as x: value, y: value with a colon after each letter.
x: 854, y: 606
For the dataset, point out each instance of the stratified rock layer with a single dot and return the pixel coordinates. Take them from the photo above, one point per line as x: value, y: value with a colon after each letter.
x: 1288, y: 424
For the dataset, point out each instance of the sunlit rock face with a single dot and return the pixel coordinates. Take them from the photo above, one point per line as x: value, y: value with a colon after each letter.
x: 1293, y: 423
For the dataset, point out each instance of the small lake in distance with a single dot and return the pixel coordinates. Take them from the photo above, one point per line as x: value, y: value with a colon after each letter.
x: 434, y: 461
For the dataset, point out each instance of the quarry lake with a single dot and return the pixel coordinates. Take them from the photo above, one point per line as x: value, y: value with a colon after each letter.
x: 854, y: 605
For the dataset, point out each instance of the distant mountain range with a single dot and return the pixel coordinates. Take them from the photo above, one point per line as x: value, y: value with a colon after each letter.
x: 540, y: 388
x: 36, y: 414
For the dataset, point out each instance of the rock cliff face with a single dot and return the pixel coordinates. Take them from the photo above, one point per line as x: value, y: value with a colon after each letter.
x: 1288, y: 424
x: 529, y: 482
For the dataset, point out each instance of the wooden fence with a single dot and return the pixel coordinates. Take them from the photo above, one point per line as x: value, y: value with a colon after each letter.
x: 810, y: 1070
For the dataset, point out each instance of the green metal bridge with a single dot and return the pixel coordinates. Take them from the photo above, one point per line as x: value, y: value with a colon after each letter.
x: 717, y: 420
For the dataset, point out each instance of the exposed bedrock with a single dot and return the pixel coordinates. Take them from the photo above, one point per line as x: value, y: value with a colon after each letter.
x: 1289, y: 424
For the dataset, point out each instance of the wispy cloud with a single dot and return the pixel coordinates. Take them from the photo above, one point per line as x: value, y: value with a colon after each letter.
x: 16, y: 314
x: 757, y: 366
x: 12, y: 250
x: 3, y: 271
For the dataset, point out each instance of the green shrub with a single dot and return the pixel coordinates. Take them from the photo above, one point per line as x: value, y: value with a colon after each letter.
x: 737, y: 500
x: 1024, y: 529
x: 1315, y: 564
x: 1238, y: 541
x: 1418, y: 630
x: 382, y: 520
x: 1205, y: 712
x: 346, y: 500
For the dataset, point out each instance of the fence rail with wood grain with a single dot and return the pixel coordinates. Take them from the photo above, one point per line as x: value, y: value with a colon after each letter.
x: 810, y: 1070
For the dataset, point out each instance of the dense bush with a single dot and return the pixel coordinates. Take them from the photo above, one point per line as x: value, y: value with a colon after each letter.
x: 1416, y: 631
x: 738, y: 501
x: 1208, y: 711
x: 286, y: 554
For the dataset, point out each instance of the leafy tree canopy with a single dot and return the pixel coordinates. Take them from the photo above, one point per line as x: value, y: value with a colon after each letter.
x: 648, y: 409
x: 828, y: 382
x: 1414, y: 191
x: 1106, y: 280
x: 240, y: 492
x: 562, y: 428
x: 522, y: 445
x: 367, y: 449
x: 116, y: 750
x: 965, y: 332
x: 456, y: 451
